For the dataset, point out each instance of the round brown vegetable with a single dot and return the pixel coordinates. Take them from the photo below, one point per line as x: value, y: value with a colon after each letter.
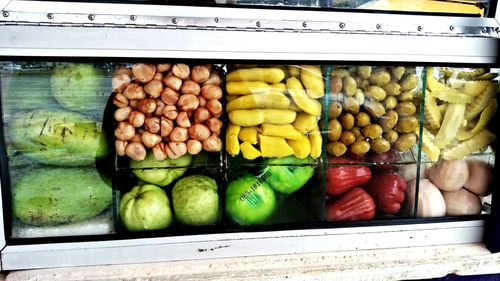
x: 179, y: 134
x: 158, y: 76
x: 188, y: 102
x: 215, y: 107
x: 336, y: 148
x: 136, y: 118
x: 122, y: 113
x: 162, y: 67
x: 170, y: 111
x: 134, y: 92
x: 199, y: 132
x: 200, y: 73
x: 154, y: 88
x: 147, y: 106
x: 166, y: 127
x: 449, y: 175
x: 194, y: 147
x: 150, y: 140
x: 120, y: 81
x: 175, y: 150
x: 137, y: 137
x: 214, y: 125
x: 181, y: 70
x: 120, y: 147
x: 211, y: 92
x: 143, y: 72
x: 136, y: 151
x: 183, y: 120
x: 169, y: 96
x: 201, y: 115
x: 213, y: 79
x: 174, y: 83
x: 120, y: 100
x: 133, y: 103
x: 203, y: 102
x: 190, y: 87
x: 212, y: 144
x: 152, y: 124
x: 159, y: 152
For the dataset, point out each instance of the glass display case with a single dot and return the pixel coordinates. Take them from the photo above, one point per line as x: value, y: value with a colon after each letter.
x: 201, y: 131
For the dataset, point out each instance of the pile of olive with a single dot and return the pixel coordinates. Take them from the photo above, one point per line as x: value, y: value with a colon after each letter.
x: 371, y: 108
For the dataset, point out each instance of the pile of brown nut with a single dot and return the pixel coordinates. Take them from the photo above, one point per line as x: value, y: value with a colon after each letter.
x: 171, y: 109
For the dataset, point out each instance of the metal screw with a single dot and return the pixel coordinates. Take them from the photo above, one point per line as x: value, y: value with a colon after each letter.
x: 133, y: 17
x: 50, y: 16
x: 174, y: 21
x: 420, y: 28
x: 452, y: 27
x: 91, y: 17
x: 342, y: 25
x: 304, y: 24
x: 258, y: 24
x: 378, y: 26
x: 217, y: 20
x: 5, y: 14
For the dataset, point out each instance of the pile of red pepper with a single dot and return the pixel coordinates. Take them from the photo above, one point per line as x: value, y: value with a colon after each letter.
x: 358, y: 192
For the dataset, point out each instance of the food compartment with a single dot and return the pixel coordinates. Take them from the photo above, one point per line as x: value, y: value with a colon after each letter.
x: 457, y: 140
x: 273, y: 194
x: 167, y: 109
x: 165, y: 200
x: 372, y: 110
x: 356, y: 191
x: 57, y: 156
x: 273, y: 112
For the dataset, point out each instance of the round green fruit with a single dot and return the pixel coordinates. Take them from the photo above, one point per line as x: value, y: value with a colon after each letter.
x: 196, y: 200
x: 249, y: 200
x: 160, y: 173
x: 145, y: 207
x: 288, y: 174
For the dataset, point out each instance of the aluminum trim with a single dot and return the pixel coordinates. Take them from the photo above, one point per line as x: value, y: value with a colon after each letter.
x: 239, y: 244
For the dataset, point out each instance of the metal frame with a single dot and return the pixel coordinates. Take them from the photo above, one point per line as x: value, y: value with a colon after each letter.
x: 239, y: 244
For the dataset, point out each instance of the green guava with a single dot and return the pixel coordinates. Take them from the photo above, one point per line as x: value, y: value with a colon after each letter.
x: 196, y: 200
x: 145, y: 207
x: 288, y: 174
x: 249, y: 200
x: 161, y: 173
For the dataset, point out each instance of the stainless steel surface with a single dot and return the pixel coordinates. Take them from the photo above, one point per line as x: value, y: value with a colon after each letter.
x: 239, y: 244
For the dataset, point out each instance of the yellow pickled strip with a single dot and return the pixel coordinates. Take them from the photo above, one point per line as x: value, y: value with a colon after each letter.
x: 486, y: 76
x: 451, y: 122
x: 452, y: 96
x: 474, y: 88
x: 469, y: 74
x: 476, y: 143
x: 428, y: 147
x: 442, y: 108
x: 481, y: 101
x: 485, y: 117
x: 431, y: 112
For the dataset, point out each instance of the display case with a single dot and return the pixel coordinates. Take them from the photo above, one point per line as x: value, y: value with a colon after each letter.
x: 227, y: 129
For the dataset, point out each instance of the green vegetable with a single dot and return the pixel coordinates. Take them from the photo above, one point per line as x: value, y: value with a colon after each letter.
x: 58, y: 137
x: 195, y: 200
x: 160, y: 173
x: 145, y: 207
x: 249, y: 200
x: 80, y: 87
x: 52, y: 196
x: 288, y: 174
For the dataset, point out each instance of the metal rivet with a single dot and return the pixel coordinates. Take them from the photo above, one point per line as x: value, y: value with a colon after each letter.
x: 342, y: 25
x: 5, y: 14
x: 50, y: 16
x: 133, y: 17
x: 174, y: 21
x: 217, y: 20
x: 452, y: 27
x: 304, y: 24
x: 258, y: 24
x: 420, y: 28
x: 91, y: 17
x: 378, y: 26
x: 484, y: 30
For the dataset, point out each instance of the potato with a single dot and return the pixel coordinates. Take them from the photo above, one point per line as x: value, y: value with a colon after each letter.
x: 461, y: 202
x: 480, y: 178
x: 449, y: 175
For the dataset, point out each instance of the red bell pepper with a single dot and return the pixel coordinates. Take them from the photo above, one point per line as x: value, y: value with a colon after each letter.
x: 388, y: 191
x: 354, y: 205
x: 340, y: 179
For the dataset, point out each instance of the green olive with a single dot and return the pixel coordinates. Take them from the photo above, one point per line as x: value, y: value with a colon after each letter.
x: 407, y: 96
x: 405, y: 142
x: 364, y: 71
x: 347, y: 137
x: 364, y: 84
x: 347, y: 121
x: 357, y: 133
x: 397, y: 72
x: 375, y: 92
x: 406, y: 108
x: 391, y: 136
x: 409, y: 83
x: 406, y: 125
x: 334, y: 130
x: 380, y: 78
x: 362, y: 119
x: 380, y: 145
x: 340, y: 72
x: 334, y: 110
x: 335, y: 84
x: 349, y: 86
x: 360, y: 147
x: 375, y: 108
x: 392, y: 89
x: 389, y: 120
x: 351, y: 105
x: 360, y: 96
x: 372, y: 131
x: 336, y: 148
x: 390, y: 102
